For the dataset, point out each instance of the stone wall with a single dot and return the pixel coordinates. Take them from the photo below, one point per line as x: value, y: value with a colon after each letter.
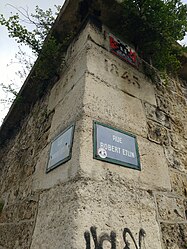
x: 86, y: 203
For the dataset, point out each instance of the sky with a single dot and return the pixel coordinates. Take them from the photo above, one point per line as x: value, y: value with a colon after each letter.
x: 8, y: 47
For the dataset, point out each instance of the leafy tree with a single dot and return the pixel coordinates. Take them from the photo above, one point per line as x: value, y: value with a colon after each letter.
x: 154, y: 26
x: 41, y: 20
x: 30, y: 30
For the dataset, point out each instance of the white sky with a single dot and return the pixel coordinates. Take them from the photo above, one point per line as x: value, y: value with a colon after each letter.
x: 8, y: 47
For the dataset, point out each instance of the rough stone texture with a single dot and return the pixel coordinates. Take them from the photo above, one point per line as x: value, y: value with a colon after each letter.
x: 157, y: 133
x: 185, y: 207
x: 174, y: 236
x: 24, y: 210
x: 157, y: 115
x: 94, y: 203
x: 63, y: 173
x: 179, y: 183
x: 154, y: 174
x: 117, y: 74
x: 102, y: 102
x: 55, y: 225
x: 170, y: 208
x: 23, y: 160
x: 16, y: 236
x: 18, y: 161
x: 108, y: 199
x: 176, y: 159
x: 54, y: 210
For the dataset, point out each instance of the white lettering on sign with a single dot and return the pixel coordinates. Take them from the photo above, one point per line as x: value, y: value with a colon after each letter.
x: 117, y: 139
x: 117, y: 150
x: 128, y: 153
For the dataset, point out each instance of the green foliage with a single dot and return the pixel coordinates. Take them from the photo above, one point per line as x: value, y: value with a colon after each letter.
x: 51, y: 57
x: 9, y: 88
x: 48, y: 52
x: 184, y: 49
x: 154, y: 26
x: 41, y: 21
x: 11, y: 93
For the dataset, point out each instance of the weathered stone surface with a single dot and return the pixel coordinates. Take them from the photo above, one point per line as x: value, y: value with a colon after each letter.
x: 178, y: 112
x: 16, y: 236
x: 68, y: 211
x: 54, y: 210
x: 157, y: 133
x: 55, y: 225
x: 172, y: 158
x: 102, y: 102
x: 68, y: 110
x: 174, y: 236
x: 157, y: 115
x: 164, y: 103
x: 20, y: 211
x: 177, y: 141
x: 71, y: 76
x: 185, y: 207
x: 154, y: 173
x: 185, y: 128
x: 102, y: 205
x: 170, y: 208
x: 63, y: 173
x: 179, y: 183
x: 176, y: 159
x: 118, y: 74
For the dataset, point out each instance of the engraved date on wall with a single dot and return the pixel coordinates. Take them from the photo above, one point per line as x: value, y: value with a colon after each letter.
x: 126, y: 75
x: 99, y: 240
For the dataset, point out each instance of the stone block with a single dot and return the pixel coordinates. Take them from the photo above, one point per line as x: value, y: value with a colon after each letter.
x: 176, y: 159
x: 154, y: 173
x: 68, y: 110
x: 68, y: 211
x: 179, y: 183
x: 174, y: 236
x: 157, y: 115
x: 178, y: 109
x: 164, y: 103
x: 177, y: 141
x: 64, y: 172
x: 73, y: 74
x: 157, y: 133
x: 55, y: 225
x: 112, y: 207
x: 90, y: 33
x: 102, y: 102
x: 25, y: 210
x: 118, y: 74
x: 170, y: 208
x: 14, y: 236
x: 185, y: 207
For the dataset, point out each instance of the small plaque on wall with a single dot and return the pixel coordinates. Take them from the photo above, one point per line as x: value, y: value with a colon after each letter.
x: 61, y: 149
x: 123, y: 51
x: 115, y: 146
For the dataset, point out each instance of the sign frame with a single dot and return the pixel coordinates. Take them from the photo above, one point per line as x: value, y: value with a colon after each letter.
x: 111, y: 160
x: 48, y: 169
x: 123, y: 51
